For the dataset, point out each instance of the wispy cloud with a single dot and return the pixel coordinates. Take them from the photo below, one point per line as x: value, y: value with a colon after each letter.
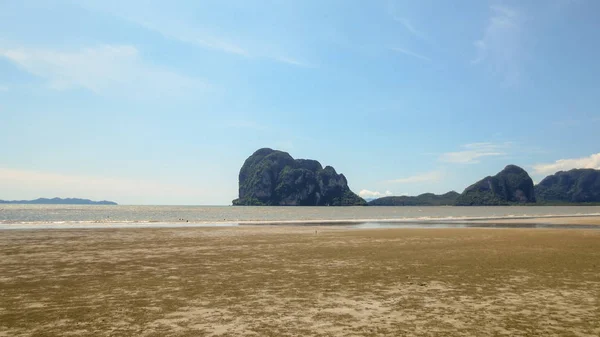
x: 205, y: 40
x: 373, y: 194
x: 398, y: 15
x: 246, y: 124
x: 432, y: 176
x: 410, y: 27
x: 114, y: 69
x: 290, y: 61
x: 215, y: 43
x: 410, y: 53
x: 500, y: 46
x: 180, y: 29
x: 592, y: 162
x: 472, y: 153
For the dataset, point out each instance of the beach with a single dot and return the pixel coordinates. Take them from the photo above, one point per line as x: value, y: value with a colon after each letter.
x: 300, y: 280
x: 551, y: 220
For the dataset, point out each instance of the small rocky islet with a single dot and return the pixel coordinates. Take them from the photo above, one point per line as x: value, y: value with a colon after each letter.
x: 274, y: 178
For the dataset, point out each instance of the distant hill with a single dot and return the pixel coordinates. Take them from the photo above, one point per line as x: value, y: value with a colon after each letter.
x: 574, y: 186
x: 59, y: 201
x: 512, y: 185
x: 426, y: 199
x: 273, y: 178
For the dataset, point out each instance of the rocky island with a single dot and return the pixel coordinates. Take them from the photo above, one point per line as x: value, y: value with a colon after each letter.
x: 574, y: 186
x: 273, y: 178
x: 425, y: 199
x: 510, y: 186
x: 513, y: 186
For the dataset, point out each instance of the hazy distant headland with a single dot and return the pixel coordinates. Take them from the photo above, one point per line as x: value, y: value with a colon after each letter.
x: 58, y: 201
x: 273, y: 178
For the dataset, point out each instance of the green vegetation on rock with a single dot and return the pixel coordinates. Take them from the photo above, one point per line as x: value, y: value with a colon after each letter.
x: 270, y: 178
x: 273, y: 178
x: 574, y: 186
x: 426, y: 199
x: 512, y: 185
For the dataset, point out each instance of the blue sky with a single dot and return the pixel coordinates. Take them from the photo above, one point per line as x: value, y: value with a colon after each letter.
x: 155, y: 102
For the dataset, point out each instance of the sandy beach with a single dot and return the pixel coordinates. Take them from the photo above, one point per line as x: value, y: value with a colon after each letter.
x: 292, y: 281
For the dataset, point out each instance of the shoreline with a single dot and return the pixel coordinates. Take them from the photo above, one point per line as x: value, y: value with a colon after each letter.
x: 551, y: 221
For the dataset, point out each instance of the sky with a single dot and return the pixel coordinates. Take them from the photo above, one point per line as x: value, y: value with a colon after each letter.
x: 160, y: 102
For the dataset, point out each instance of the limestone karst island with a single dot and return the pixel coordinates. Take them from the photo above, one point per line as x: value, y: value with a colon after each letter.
x: 273, y: 178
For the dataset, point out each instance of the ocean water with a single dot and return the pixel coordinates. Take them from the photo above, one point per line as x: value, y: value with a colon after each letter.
x: 70, y: 216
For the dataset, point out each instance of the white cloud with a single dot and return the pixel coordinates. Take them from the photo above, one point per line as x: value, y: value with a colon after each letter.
x: 3, y: 88
x: 373, y: 194
x: 32, y: 184
x: 591, y: 162
x: 432, y: 176
x: 472, y: 153
x: 115, y: 69
x: 500, y: 46
x: 410, y: 53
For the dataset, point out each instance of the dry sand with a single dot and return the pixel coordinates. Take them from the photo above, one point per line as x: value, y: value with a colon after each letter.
x: 289, y: 281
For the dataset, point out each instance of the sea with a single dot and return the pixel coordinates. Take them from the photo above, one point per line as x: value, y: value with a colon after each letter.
x: 14, y: 216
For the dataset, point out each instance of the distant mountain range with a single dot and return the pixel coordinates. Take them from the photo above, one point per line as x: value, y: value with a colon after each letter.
x: 513, y: 186
x: 59, y: 201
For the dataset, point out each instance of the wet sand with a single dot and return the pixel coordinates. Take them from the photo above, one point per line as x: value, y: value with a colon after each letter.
x: 562, y: 220
x: 289, y: 281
